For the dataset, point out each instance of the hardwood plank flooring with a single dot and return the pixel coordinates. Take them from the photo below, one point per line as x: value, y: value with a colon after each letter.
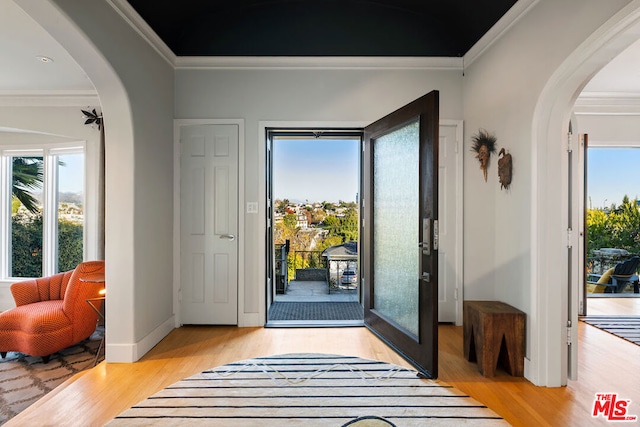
x: 613, y: 306
x: 92, y: 398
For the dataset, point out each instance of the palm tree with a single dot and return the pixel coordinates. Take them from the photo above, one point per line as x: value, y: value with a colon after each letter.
x: 27, y: 176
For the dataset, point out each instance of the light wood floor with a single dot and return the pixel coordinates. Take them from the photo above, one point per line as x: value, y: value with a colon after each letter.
x: 613, y: 306
x: 92, y: 398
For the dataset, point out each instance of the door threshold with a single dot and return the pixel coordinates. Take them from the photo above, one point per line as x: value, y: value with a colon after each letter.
x: 313, y: 323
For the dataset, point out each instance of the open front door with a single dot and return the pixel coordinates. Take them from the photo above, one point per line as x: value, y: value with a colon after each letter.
x: 400, y: 231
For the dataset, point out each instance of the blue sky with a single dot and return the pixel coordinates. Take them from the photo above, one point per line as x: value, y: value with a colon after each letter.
x: 71, y: 175
x: 612, y: 173
x: 316, y: 169
x: 327, y: 169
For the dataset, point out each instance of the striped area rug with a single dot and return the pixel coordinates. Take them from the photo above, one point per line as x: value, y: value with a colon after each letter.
x: 308, y: 390
x: 625, y: 327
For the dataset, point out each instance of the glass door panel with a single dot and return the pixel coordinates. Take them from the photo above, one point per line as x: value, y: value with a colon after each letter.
x: 399, y: 248
x: 395, y: 206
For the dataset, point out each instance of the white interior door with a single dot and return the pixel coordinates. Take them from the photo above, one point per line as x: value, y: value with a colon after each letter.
x: 449, y: 222
x: 209, y: 224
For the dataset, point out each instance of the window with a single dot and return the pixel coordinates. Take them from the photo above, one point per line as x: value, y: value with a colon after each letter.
x: 42, y: 209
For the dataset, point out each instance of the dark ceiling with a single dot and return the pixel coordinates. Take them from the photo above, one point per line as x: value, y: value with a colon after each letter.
x: 321, y: 27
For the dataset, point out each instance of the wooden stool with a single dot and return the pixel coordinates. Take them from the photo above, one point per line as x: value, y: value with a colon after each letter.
x: 494, y: 331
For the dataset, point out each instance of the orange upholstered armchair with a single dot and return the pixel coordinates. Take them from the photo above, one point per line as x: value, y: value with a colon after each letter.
x: 51, y: 313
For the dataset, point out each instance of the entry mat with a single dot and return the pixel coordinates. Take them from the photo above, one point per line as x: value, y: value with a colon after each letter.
x: 315, y: 311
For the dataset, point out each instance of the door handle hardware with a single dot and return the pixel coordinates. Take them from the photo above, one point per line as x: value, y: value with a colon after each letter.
x: 228, y: 236
x: 426, y: 236
x: 436, y: 235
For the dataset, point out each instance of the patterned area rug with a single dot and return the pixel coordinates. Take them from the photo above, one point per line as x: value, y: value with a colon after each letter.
x: 625, y: 327
x: 315, y: 311
x: 25, y: 379
x: 308, y: 390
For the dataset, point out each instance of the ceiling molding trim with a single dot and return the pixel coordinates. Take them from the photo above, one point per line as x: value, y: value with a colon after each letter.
x: 48, y: 99
x: 508, y: 20
x: 129, y: 14
x: 317, y: 62
x: 608, y: 104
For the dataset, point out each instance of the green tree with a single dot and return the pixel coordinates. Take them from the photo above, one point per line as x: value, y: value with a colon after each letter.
x: 69, y: 245
x: 349, y: 225
x: 330, y: 241
x: 332, y: 224
x: 619, y: 227
x: 27, y: 176
x: 26, y: 246
x: 346, y: 227
x: 281, y: 205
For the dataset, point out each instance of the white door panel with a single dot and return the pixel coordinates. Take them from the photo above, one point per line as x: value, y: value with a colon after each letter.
x: 447, y: 214
x: 209, y: 212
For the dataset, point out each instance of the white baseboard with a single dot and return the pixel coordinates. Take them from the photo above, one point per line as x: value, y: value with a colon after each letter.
x: 129, y: 353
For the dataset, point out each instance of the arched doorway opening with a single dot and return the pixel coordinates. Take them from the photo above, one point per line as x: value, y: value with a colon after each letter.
x: 116, y: 111
x: 555, y: 299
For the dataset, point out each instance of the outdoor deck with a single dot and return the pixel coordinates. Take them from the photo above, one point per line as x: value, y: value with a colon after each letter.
x: 316, y: 291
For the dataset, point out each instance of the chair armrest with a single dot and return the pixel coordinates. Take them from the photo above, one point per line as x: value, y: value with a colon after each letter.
x: 593, y: 277
x: 25, y: 292
x: 625, y: 278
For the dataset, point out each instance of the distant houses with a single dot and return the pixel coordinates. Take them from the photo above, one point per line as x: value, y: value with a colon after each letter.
x: 307, y: 213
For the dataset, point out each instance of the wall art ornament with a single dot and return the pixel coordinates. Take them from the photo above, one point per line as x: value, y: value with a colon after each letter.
x: 505, y: 164
x: 484, y: 144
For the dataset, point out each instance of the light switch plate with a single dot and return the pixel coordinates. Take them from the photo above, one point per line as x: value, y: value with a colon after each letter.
x: 252, y: 207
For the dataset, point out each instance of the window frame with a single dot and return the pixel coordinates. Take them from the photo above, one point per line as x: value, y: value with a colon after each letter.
x: 50, y: 153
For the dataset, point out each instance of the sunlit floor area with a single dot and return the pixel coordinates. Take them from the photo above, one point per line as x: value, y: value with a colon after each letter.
x: 613, y: 306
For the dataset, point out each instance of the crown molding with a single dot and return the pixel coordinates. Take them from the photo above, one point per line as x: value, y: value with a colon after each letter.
x: 318, y: 62
x: 608, y: 104
x: 129, y: 14
x: 508, y: 20
x: 48, y: 98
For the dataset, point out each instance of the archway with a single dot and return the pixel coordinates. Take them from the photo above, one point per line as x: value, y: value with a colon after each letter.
x: 119, y: 177
x: 554, y: 306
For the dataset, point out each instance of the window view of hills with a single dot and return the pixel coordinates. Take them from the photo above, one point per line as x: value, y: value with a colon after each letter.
x: 27, y: 235
x: 315, y: 226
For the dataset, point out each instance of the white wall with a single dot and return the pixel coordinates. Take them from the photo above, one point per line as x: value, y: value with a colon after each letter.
x: 302, y: 96
x: 135, y: 87
x: 607, y: 130
x: 502, y: 90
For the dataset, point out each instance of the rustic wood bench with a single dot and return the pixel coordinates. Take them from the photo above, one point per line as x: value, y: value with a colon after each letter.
x: 494, y: 332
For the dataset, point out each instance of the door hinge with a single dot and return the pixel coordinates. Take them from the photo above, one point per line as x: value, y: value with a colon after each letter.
x: 569, y: 330
x: 569, y: 237
x: 569, y: 142
x: 455, y: 294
